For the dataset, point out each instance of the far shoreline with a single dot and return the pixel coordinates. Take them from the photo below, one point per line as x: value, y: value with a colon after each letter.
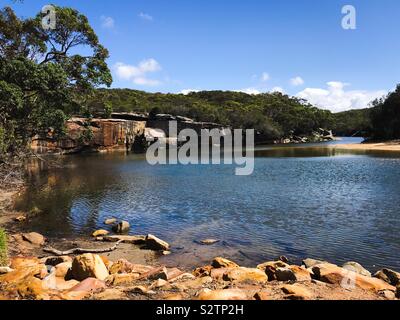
x: 393, y: 146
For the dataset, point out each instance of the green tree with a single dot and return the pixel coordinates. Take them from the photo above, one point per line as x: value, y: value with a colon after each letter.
x: 42, y: 79
x: 3, y: 248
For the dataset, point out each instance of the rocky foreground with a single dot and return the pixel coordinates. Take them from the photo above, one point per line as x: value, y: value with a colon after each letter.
x: 92, y: 276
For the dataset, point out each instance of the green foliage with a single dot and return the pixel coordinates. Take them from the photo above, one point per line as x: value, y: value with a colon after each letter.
x: 3, y: 248
x: 42, y: 79
x: 352, y: 123
x: 108, y: 110
x: 385, y: 117
x: 273, y: 115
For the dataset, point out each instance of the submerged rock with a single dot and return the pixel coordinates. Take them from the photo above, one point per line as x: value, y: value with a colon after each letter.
x: 110, y: 221
x: 209, y: 242
x: 89, y: 266
x: 122, y: 227
x: 100, y: 233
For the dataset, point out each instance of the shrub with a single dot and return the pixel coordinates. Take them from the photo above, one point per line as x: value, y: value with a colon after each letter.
x: 3, y: 248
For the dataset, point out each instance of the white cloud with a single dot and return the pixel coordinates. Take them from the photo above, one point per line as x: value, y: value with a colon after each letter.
x: 265, y: 77
x: 107, y: 22
x: 187, y: 91
x: 337, y: 99
x: 296, y: 81
x: 145, y: 16
x: 249, y: 91
x: 138, y: 74
x: 277, y: 89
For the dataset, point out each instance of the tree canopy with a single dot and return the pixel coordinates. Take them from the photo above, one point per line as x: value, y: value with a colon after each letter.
x: 42, y: 79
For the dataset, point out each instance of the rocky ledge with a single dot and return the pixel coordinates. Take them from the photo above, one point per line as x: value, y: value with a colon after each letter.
x: 95, y: 277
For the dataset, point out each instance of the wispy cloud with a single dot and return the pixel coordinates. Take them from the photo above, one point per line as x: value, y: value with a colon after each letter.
x: 336, y: 98
x: 145, y: 16
x: 138, y: 74
x: 297, y: 81
x: 265, y: 77
x: 107, y: 22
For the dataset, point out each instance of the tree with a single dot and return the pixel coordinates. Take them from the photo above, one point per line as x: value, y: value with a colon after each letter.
x: 42, y: 79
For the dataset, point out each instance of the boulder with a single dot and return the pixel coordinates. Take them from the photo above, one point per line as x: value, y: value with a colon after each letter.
x: 154, y: 243
x: 202, y: 271
x: 122, y: 279
x: 296, y: 292
x: 218, y: 273
x: 333, y: 274
x: 34, y: 238
x: 270, y: 268
x: 245, y: 274
x: 61, y: 270
x: 262, y: 296
x: 220, y: 262
x: 100, y: 233
x: 292, y: 273
x: 121, y: 266
x: 110, y: 221
x: 309, y: 263
x: 388, y: 276
x: 356, y: 267
x: 89, y: 266
x: 122, y: 227
x: 226, y: 294
x: 89, y: 285
x: 387, y: 294
x: 53, y: 261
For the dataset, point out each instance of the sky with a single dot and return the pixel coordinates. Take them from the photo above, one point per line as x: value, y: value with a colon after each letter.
x: 298, y: 47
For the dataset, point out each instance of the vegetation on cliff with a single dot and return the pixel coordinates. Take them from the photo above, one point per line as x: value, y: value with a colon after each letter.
x: 42, y: 79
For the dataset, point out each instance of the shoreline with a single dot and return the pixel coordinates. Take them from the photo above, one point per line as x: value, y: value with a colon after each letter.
x: 392, y: 146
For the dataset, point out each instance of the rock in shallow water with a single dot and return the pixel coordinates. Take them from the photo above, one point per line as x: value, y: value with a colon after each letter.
x: 122, y: 227
x: 110, y: 221
x: 154, y: 243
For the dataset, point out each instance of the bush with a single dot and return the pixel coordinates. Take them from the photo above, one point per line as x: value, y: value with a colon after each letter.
x: 3, y: 248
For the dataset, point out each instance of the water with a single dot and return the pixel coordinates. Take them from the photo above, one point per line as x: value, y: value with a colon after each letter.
x: 300, y: 202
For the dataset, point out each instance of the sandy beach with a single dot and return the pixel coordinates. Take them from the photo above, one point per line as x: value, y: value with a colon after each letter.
x: 393, y: 146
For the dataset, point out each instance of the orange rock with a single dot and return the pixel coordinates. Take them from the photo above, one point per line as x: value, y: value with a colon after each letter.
x: 292, y: 273
x: 88, y: 266
x: 226, y: 294
x: 245, y: 274
x: 296, y: 292
x: 223, y: 263
x: 122, y: 279
x: 262, y: 295
x: 202, y: 271
x: 121, y: 266
x: 34, y: 238
x: 335, y: 275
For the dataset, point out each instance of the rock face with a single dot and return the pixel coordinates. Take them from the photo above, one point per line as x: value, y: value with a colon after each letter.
x: 108, y: 134
x: 88, y: 266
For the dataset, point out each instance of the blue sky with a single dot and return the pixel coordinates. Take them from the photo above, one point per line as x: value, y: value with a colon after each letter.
x: 297, y: 46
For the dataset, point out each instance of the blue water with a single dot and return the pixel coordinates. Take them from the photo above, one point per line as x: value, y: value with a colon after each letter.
x: 300, y: 202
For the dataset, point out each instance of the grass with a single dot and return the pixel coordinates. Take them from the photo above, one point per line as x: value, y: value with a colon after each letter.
x: 3, y: 248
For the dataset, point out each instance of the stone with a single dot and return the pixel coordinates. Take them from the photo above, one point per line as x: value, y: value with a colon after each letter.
x: 388, y: 276
x: 209, y: 242
x: 398, y: 292
x: 172, y: 297
x: 161, y: 273
x: 160, y: 283
x: 123, y: 238
x: 202, y: 271
x: 121, y: 266
x: 183, y: 277
x: 296, y: 292
x: 292, y: 273
x: 122, y: 279
x: 245, y: 274
x: 262, y: 296
x: 154, y: 243
x: 58, y: 283
x: 196, y: 283
x: 100, y: 233
x: 333, y: 274
x: 110, y: 221
x: 284, y: 259
x: 20, y: 219
x: 218, y: 273
x: 166, y: 253
x: 89, y: 285
x: 61, y: 270
x: 139, y: 290
x: 173, y: 273
x: 122, y: 227
x: 224, y: 295
x: 387, y: 294
x: 220, y: 262
x: 32, y: 289
x: 34, y: 238
x: 24, y: 262
x: 356, y: 267
x: 89, y: 266
x: 4, y: 270
x: 309, y: 263
x: 109, y: 294
x: 270, y: 268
